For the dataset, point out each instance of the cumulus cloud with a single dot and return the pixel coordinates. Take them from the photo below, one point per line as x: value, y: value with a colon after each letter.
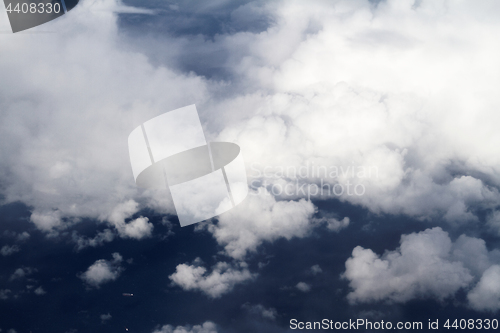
x: 66, y: 153
x: 421, y: 267
x: 474, y: 255
x: 40, y: 291
x: 219, y: 281
x: 355, y: 97
x: 22, y: 272
x: 105, y: 317
x: 9, y: 250
x: 486, y: 294
x: 426, y: 265
x: 138, y: 228
x: 261, y: 218
x: 304, y: 287
x: 361, y: 91
x: 206, y: 327
x: 46, y: 221
x: 103, y: 271
x: 315, y: 270
x: 260, y: 310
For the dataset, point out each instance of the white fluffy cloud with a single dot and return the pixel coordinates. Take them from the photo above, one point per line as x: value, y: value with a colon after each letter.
x: 486, y: 294
x: 66, y: 118
x: 304, y: 287
x: 46, y: 221
x: 206, y: 327
x: 138, y: 228
x: 103, y: 271
x: 349, y: 85
x: 219, y: 281
x: 316, y: 269
x: 261, y: 218
x: 426, y: 265
x: 403, y: 91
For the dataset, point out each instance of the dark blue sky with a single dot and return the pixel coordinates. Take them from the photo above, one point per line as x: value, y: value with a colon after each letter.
x: 69, y: 305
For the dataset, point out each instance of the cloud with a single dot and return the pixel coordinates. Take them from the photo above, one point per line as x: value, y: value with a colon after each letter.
x: 260, y: 310
x: 486, y: 294
x: 334, y: 224
x: 421, y: 267
x: 335, y: 97
x: 315, y: 270
x: 304, y: 287
x: 102, y: 237
x: 4, y: 294
x: 219, y: 281
x: 72, y: 158
x: 137, y: 229
x: 117, y: 7
x: 426, y: 265
x: 21, y: 273
x: 46, y: 221
x: 261, y: 218
x: 493, y: 221
x: 474, y: 255
x: 103, y: 271
x: 21, y: 237
x: 105, y: 317
x: 40, y: 291
x: 206, y: 327
x: 9, y: 250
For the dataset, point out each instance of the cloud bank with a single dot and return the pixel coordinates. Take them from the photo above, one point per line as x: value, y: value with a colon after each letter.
x: 341, y: 86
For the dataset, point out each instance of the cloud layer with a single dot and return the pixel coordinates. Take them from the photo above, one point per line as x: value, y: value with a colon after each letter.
x: 341, y: 87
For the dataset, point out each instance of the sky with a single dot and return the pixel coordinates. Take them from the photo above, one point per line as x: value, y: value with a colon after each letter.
x: 369, y: 131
